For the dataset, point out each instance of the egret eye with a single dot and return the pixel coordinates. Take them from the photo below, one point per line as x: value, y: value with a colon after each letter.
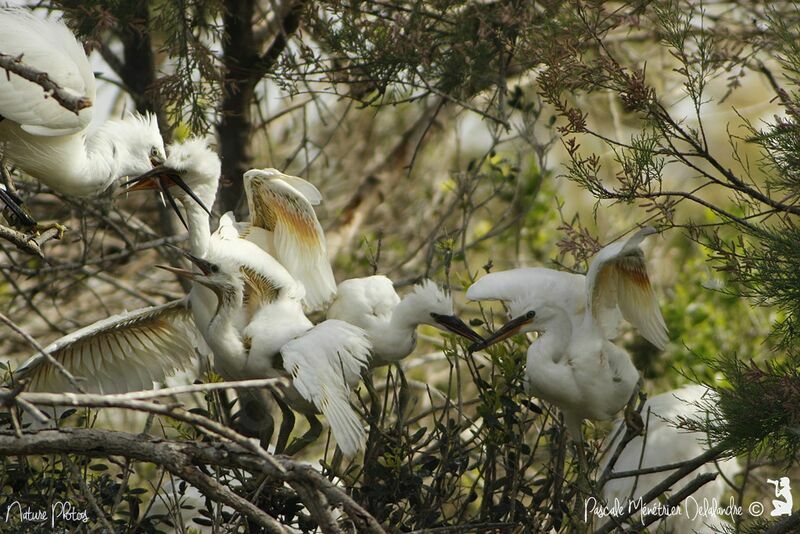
x: 530, y: 314
x: 214, y: 268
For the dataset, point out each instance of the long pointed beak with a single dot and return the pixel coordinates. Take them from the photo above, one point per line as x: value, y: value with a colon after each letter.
x: 161, y: 178
x: 454, y: 324
x: 191, y: 275
x: 151, y: 179
x: 204, y: 265
x: 509, y: 329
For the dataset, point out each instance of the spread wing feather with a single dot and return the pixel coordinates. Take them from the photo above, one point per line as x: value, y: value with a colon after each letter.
x: 126, y: 352
x: 298, y: 240
x: 618, y: 279
x: 326, y: 363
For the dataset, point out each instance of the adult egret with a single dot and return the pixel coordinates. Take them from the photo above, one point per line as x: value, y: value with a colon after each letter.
x: 666, y: 444
x: 125, y: 352
x: 325, y: 361
x: 372, y: 303
x: 572, y: 363
x: 50, y: 142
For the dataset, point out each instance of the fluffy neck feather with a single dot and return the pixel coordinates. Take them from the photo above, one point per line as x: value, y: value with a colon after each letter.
x: 223, y: 338
x: 199, y: 228
x: 555, y: 335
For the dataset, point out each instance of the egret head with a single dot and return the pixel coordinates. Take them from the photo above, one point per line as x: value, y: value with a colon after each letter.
x: 429, y: 304
x: 135, y: 143
x: 227, y: 286
x: 190, y: 172
x: 528, y: 314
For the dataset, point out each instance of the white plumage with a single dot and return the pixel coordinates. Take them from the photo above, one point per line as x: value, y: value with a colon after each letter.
x: 281, y: 206
x: 372, y: 303
x: 572, y: 363
x: 324, y: 361
x: 50, y: 142
x: 125, y: 352
x: 667, y: 444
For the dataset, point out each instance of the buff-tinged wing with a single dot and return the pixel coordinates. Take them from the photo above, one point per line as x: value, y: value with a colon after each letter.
x: 618, y: 280
x: 259, y: 290
x: 326, y: 363
x: 126, y: 352
x: 298, y: 240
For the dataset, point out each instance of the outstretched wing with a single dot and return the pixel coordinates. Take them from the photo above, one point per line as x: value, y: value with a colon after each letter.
x: 49, y: 47
x: 566, y: 290
x: 299, y: 243
x: 325, y: 363
x: 618, y: 279
x: 126, y: 352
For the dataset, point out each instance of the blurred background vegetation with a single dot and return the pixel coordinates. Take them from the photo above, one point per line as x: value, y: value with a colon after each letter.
x: 450, y: 138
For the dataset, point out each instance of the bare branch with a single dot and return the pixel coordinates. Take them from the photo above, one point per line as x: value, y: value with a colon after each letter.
x: 69, y: 101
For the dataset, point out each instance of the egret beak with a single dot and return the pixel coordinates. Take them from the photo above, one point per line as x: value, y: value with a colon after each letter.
x: 509, y: 329
x: 205, y: 266
x: 191, y: 275
x: 161, y: 178
x: 453, y: 324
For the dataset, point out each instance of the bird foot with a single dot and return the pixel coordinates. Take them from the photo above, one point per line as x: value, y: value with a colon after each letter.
x: 633, y: 420
x: 59, y: 228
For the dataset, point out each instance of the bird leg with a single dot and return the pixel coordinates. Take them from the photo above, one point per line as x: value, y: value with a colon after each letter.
x: 632, y: 416
x: 43, y: 228
x: 287, y: 425
x: 253, y: 418
x: 306, y: 439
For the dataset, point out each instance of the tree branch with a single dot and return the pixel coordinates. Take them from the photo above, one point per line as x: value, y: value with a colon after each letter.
x: 68, y: 101
x: 180, y: 457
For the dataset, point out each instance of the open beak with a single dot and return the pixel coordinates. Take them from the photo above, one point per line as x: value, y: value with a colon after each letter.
x: 191, y: 275
x: 509, y: 329
x: 453, y: 324
x: 205, y: 266
x: 161, y: 178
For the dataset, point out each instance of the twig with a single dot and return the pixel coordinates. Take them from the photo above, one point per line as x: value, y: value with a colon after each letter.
x: 675, y: 499
x: 688, y: 467
x: 67, y: 100
x: 35, y: 344
x: 176, y: 456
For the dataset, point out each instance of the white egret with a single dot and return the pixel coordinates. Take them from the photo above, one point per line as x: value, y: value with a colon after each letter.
x: 666, y: 444
x: 50, y: 142
x: 125, y: 352
x: 267, y: 284
x: 324, y: 361
x: 283, y: 222
x: 372, y: 303
x: 572, y: 363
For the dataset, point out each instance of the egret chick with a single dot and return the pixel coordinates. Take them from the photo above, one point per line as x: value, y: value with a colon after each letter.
x: 324, y: 361
x: 372, y: 303
x: 572, y: 363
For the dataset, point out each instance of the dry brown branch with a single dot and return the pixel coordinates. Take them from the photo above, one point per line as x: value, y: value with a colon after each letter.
x: 70, y: 102
x: 32, y: 244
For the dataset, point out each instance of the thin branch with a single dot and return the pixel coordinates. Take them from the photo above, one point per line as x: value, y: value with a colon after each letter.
x: 69, y: 101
